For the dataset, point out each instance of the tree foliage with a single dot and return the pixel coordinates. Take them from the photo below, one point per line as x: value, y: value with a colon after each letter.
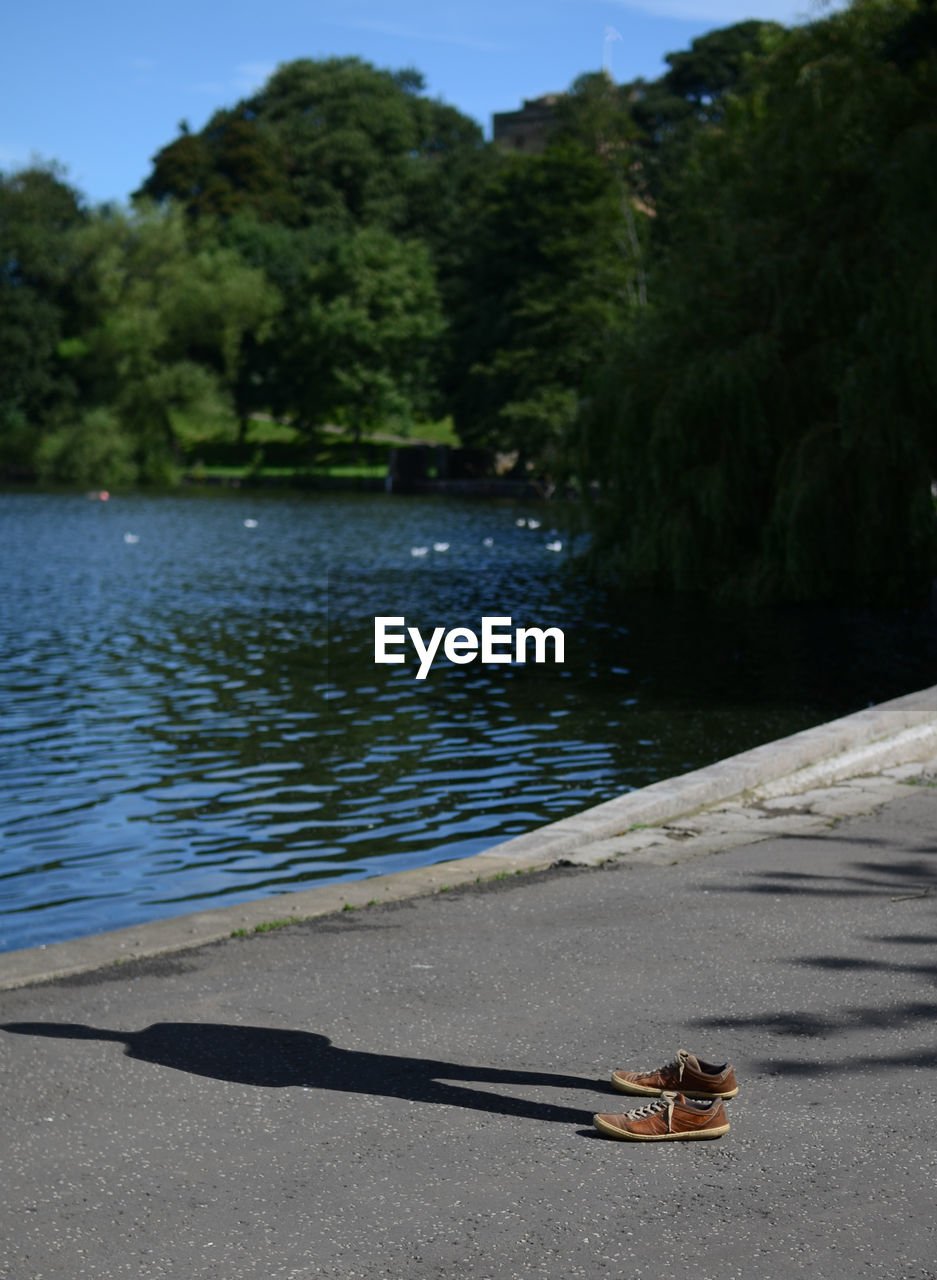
x: 346, y: 185
x: 38, y: 212
x: 710, y: 299
x: 769, y: 430
x: 355, y: 342
x: 548, y: 275
x: 283, y: 260
x: 335, y: 142
x: 164, y: 326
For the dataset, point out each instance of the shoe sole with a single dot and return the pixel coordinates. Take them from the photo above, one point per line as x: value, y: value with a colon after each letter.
x: 643, y: 1091
x: 612, y: 1132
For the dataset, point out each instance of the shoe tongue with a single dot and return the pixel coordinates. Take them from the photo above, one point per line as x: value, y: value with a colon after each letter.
x: 690, y: 1059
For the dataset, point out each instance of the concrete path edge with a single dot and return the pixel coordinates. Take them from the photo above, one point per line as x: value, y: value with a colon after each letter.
x: 894, y: 733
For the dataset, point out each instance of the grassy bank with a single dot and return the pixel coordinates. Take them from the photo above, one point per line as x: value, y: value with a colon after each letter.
x: 276, y: 451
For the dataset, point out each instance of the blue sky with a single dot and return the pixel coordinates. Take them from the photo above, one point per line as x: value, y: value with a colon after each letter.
x: 100, y: 86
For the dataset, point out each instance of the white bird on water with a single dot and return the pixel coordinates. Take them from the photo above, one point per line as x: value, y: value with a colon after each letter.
x: 250, y: 524
x: 440, y: 546
x: 131, y: 538
x: 418, y: 551
x: 554, y: 546
x: 488, y: 542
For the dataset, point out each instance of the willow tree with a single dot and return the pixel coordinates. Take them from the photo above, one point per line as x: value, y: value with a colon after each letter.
x: 768, y: 430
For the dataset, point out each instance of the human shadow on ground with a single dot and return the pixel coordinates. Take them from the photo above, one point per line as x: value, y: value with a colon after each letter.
x: 276, y: 1058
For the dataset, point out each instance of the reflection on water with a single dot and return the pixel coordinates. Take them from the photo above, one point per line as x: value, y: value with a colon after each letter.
x: 194, y: 717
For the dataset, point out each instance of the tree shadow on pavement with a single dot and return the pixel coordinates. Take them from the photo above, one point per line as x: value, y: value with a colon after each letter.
x: 926, y: 1059
x: 834, y: 1034
x: 887, y: 1012
x: 274, y: 1058
x: 865, y: 878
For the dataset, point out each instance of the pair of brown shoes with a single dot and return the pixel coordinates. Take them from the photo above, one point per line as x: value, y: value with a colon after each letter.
x: 672, y: 1114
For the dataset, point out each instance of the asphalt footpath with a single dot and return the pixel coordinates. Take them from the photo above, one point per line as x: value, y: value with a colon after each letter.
x: 406, y: 1090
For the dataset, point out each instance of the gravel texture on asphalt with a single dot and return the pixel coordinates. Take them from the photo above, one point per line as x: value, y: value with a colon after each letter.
x: 406, y: 1090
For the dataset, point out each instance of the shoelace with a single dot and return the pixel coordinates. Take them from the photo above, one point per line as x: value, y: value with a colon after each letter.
x: 677, y: 1065
x: 650, y: 1108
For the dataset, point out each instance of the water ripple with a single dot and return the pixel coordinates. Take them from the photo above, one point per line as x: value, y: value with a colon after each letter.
x: 195, y: 719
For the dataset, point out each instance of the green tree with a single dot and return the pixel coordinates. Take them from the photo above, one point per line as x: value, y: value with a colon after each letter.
x: 692, y: 94
x: 166, y: 330
x: 335, y: 143
x: 768, y: 430
x: 38, y: 213
x: 357, y: 343
x: 717, y: 64
x: 356, y: 337
x: 553, y: 269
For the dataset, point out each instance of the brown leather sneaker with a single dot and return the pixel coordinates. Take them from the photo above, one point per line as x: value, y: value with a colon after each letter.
x: 687, y: 1074
x: 668, y: 1118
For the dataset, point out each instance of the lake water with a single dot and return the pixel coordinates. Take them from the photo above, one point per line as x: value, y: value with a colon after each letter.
x: 192, y: 716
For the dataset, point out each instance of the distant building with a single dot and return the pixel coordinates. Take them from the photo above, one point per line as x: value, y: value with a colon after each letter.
x: 529, y: 129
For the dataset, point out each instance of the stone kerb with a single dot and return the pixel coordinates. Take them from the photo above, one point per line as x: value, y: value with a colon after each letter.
x: 880, y: 737
x: 895, y: 733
